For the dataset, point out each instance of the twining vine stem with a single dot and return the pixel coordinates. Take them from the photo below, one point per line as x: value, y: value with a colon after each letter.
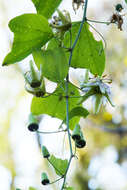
x: 67, y: 91
x: 99, y: 22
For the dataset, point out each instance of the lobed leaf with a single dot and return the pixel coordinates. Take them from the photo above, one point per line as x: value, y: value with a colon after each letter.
x: 31, y: 31
x: 88, y: 52
x: 46, y: 7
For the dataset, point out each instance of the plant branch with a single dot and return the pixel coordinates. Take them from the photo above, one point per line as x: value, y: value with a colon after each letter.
x: 99, y: 22
x: 55, y: 181
x: 51, y: 132
x: 67, y: 93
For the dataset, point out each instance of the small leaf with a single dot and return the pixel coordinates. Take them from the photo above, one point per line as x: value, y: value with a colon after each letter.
x: 31, y: 31
x: 54, y: 64
x: 78, y: 111
x: 75, y: 114
x: 125, y: 1
x: 59, y: 165
x: 46, y: 7
x: 88, y: 52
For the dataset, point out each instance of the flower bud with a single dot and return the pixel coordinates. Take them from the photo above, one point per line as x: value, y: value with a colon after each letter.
x: 45, y: 152
x: 76, y: 135
x: 33, y: 77
x: 44, y: 179
x: 33, y: 123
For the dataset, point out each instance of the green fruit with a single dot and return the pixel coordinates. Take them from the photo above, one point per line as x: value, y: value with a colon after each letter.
x: 45, y: 152
x: 76, y: 135
x: 33, y: 77
x: 33, y: 123
x: 44, y: 179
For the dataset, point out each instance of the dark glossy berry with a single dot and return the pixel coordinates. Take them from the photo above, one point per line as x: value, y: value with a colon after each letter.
x: 119, y: 7
x: 33, y: 127
x: 35, y: 84
x: 81, y: 143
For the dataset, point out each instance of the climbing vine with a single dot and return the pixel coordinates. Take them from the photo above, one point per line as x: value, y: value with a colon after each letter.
x: 57, y: 44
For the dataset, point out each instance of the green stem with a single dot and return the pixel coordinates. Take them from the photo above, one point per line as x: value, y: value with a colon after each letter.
x: 67, y: 118
x: 65, y: 175
x: 99, y: 22
x: 67, y: 93
x: 51, y: 132
x: 82, y: 23
x: 55, y: 181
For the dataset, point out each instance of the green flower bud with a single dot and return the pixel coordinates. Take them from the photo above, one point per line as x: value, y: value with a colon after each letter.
x: 44, y: 179
x: 33, y: 123
x: 45, y: 152
x: 33, y: 77
x: 76, y: 135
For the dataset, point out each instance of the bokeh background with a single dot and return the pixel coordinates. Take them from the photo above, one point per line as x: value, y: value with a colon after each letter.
x: 102, y: 165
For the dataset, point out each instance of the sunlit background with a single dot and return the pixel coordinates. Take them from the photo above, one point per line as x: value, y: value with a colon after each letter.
x: 102, y: 165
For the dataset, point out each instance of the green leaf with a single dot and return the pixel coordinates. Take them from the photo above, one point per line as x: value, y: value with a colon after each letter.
x: 55, y: 105
x: 78, y: 111
x: 125, y: 1
x: 59, y: 165
x: 53, y: 43
x: 75, y: 114
x: 31, y: 188
x: 37, y: 55
x: 69, y: 188
x: 88, y: 52
x: 46, y: 7
x: 54, y: 64
x: 31, y: 31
